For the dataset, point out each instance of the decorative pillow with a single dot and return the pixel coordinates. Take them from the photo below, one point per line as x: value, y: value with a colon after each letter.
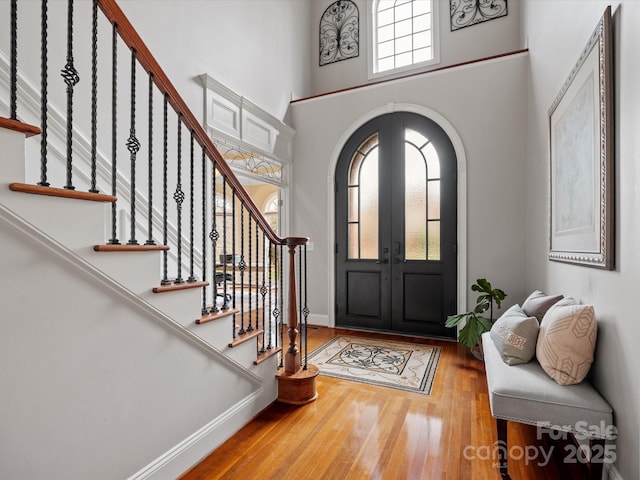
x: 537, y: 304
x: 515, y: 335
x: 566, y: 341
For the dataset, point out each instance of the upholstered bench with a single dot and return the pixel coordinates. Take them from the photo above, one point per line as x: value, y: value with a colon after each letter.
x: 524, y: 393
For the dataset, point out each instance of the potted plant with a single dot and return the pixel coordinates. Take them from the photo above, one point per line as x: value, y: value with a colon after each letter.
x: 477, y: 324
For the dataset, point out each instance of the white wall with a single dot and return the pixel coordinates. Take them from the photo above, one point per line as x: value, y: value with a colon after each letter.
x: 256, y: 48
x: 490, y: 38
x: 485, y: 105
x: 557, y: 32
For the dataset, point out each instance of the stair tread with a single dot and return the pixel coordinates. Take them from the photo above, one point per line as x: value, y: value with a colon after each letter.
x: 245, y: 337
x: 18, y: 126
x: 266, y: 354
x: 129, y: 248
x: 179, y: 286
x: 61, y: 192
x: 215, y: 316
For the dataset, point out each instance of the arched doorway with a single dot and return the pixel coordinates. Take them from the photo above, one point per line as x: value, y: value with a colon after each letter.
x: 396, y: 227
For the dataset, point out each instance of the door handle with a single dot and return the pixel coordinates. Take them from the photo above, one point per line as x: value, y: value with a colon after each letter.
x: 396, y: 253
x: 384, y: 260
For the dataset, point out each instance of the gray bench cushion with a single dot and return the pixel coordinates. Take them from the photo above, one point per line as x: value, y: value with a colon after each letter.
x: 526, y: 394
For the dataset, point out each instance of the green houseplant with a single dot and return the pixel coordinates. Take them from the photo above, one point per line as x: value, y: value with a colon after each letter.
x: 477, y: 324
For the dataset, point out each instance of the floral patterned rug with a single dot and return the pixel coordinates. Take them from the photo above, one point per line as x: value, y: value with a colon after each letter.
x: 405, y: 366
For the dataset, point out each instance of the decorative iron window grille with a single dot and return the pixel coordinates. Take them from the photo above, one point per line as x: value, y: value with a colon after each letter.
x: 465, y: 13
x: 339, y: 32
x: 251, y: 162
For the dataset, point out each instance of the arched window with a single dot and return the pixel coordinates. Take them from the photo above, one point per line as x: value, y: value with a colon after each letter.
x: 404, y: 35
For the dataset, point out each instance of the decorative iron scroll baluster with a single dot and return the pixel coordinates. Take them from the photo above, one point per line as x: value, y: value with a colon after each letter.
x: 44, y: 45
x: 270, y: 276
x: 249, y: 285
x: 263, y: 291
x: 191, y: 245
x: 305, y: 310
x: 225, y: 293
x: 204, y: 230
x: 94, y: 94
x: 178, y: 196
x: 165, y: 194
x: 242, y: 266
x: 213, y: 236
x: 133, y: 145
x: 114, y: 133
x: 71, y: 78
x: 277, y: 313
x: 13, y: 81
x: 150, y: 240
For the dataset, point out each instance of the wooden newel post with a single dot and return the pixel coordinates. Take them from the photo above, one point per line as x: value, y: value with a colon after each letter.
x: 296, y: 385
x: 292, y: 357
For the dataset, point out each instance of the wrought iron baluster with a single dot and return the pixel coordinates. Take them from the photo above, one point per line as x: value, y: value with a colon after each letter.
x: 249, y: 285
x: 191, y: 278
x: 301, y: 325
x: 114, y: 133
x: 44, y: 86
x: 205, y: 310
x: 280, y: 278
x: 71, y: 78
x: 178, y: 196
x: 133, y: 145
x: 165, y: 194
x: 214, y: 235
x: 257, y: 267
x: 13, y: 76
x: 263, y: 292
x: 242, y: 266
x: 150, y: 240
x: 225, y: 293
x: 305, y: 310
x: 271, y: 320
x: 233, y: 247
x: 94, y: 95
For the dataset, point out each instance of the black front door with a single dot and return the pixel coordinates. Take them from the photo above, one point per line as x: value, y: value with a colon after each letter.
x: 396, y: 227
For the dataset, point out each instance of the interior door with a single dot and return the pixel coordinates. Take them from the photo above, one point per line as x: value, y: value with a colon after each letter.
x: 396, y: 227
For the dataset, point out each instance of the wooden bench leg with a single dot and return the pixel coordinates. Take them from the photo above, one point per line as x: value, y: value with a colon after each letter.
x: 596, y: 447
x: 503, y: 450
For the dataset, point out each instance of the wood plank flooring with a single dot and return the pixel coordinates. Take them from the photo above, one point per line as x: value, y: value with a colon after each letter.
x: 356, y: 431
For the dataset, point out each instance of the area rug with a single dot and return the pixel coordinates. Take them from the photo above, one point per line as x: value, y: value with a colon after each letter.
x: 405, y: 366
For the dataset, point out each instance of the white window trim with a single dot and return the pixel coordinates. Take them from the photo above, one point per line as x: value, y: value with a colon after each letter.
x: 372, y: 50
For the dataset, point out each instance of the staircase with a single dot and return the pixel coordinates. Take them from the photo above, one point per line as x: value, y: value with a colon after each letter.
x: 146, y: 300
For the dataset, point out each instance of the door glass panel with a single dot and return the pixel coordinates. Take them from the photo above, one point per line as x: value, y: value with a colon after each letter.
x: 422, y: 198
x: 434, y: 200
x: 363, y: 201
x: 434, y: 240
x: 353, y: 240
x: 415, y: 204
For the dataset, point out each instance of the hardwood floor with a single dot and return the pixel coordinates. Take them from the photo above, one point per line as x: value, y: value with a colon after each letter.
x: 357, y: 431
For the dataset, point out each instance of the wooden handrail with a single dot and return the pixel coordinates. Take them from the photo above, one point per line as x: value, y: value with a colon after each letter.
x: 129, y: 35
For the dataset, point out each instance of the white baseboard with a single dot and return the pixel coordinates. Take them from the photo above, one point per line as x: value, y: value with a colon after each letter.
x: 194, y: 448
x: 319, y: 320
